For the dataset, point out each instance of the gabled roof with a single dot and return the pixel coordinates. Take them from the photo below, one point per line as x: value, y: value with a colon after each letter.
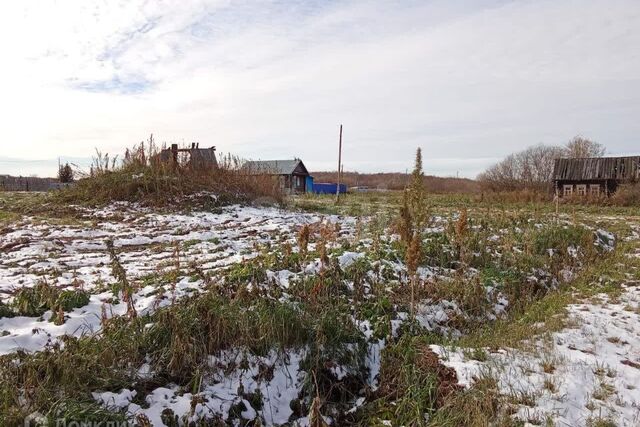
x: 597, y: 168
x: 276, y: 167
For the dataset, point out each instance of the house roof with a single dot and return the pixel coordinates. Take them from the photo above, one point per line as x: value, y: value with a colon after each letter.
x: 597, y: 168
x: 276, y: 167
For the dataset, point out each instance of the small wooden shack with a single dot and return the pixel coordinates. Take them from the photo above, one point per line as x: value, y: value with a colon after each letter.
x: 198, y: 158
x: 594, y: 176
x: 293, y: 174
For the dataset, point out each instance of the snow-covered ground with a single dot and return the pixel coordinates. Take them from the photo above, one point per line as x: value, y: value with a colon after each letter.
x: 589, y: 371
x: 276, y: 380
x: 586, y: 371
x: 74, y: 256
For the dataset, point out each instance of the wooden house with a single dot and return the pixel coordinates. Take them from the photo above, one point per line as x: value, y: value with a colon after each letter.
x: 594, y: 176
x: 293, y: 174
x: 198, y: 158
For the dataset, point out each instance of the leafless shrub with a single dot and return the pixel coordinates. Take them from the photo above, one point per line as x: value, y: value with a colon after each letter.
x: 579, y: 148
x: 530, y: 169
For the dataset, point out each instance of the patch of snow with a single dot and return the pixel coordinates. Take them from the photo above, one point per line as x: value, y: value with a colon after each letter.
x: 348, y: 258
x: 587, y: 371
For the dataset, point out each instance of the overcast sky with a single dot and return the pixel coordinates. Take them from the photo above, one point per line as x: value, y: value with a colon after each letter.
x: 468, y: 81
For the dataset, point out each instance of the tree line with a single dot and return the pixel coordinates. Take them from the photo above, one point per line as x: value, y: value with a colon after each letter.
x: 532, y: 168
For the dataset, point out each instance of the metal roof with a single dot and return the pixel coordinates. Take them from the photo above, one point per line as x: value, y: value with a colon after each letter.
x: 597, y: 168
x: 275, y: 167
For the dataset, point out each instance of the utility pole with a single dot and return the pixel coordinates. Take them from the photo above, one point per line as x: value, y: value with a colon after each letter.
x: 339, y: 165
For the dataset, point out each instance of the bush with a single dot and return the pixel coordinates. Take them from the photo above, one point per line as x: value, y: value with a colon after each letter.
x: 626, y: 195
x: 65, y: 174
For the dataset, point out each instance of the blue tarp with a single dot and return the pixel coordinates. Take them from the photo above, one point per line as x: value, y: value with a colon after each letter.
x: 328, y: 188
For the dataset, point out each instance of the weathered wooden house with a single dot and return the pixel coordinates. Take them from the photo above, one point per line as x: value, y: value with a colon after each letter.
x: 293, y: 174
x: 197, y: 158
x: 594, y: 176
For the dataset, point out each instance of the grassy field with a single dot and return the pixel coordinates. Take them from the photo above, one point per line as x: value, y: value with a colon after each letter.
x: 318, y: 313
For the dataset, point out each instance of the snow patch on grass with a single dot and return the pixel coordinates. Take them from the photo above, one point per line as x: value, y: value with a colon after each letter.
x: 580, y: 374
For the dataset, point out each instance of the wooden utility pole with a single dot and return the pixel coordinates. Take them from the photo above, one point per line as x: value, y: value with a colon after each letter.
x: 339, y: 165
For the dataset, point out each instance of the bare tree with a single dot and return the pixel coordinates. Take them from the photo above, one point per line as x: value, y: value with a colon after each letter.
x: 579, y: 148
x: 533, y: 167
x: 530, y: 169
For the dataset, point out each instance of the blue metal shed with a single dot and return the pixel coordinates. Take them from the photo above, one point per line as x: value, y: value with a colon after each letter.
x: 328, y: 188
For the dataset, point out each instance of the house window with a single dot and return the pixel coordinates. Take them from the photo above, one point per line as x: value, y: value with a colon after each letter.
x: 594, y: 189
x: 581, y: 189
x: 567, y: 190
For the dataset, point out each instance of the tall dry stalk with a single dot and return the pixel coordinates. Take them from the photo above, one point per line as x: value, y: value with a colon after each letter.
x: 405, y: 223
x: 418, y: 194
x: 461, y: 230
x: 412, y: 260
x: 414, y: 212
x: 304, y: 234
x: 120, y: 274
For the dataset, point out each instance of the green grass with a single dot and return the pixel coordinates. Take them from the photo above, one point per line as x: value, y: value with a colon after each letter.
x: 559, y: 238
x: 42, y: 297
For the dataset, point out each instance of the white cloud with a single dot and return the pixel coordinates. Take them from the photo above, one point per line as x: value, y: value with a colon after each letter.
x: 467, y: 81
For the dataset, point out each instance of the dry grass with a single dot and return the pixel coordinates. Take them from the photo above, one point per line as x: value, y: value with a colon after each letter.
x: 626, y: 195
x: 399, y: 181
x: 143, y: 177
x: 516, y: 196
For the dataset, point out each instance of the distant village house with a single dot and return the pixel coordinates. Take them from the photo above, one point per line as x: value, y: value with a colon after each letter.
x: 594, y: 176
x: 293, y: 174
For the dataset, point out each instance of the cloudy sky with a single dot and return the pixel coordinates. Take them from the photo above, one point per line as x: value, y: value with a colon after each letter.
x: 468, y: 81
